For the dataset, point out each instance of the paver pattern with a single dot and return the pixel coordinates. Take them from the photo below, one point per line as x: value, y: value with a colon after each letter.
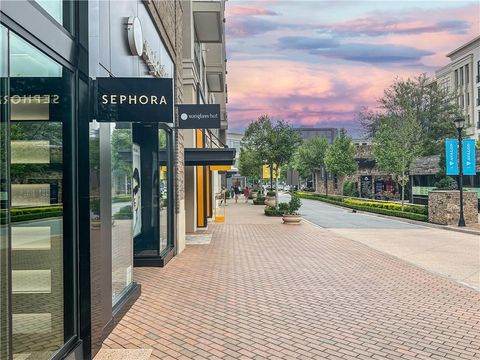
x: 264, y: 290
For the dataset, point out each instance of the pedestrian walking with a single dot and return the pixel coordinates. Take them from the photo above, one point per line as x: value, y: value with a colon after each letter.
x: 246, y: 193
x: 236, y: 190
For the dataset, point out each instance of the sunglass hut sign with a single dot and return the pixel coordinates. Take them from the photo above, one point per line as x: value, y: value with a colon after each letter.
x: 144, y: 100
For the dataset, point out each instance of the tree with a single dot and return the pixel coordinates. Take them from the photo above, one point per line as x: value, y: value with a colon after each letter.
x: 250, y: 164
x: 432, y: 107
x: 310, y: 156
x: 340, y: 156
x: 274, y: 144
x: 396, y: 144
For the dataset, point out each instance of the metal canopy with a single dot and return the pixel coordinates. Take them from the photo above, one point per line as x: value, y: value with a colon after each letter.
x: 206, y: 157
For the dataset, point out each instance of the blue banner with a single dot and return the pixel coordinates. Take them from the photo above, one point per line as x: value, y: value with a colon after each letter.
x: 468, y: 157
x: 451, y: 148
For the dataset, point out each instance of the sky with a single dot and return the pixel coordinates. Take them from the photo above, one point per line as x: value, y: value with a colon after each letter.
x: 317, y: 63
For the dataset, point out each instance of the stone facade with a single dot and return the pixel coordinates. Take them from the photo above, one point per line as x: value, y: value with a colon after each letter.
x: 444, y: 207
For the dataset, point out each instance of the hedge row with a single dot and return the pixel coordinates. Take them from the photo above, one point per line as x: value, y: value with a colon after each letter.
x: 420, y: 214
x: 260, y: 200
x: 33, y: 213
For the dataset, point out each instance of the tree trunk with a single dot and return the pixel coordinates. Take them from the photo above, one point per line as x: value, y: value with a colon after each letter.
x: 403, y: 189
x: 271, y: 176
x: 276, y: 192
x: 326, y: 182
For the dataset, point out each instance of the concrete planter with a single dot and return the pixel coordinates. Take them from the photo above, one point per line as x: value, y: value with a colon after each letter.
x: 254, y: 195
x: 270, y: 201
x: 291, y: 219
x: 444, y: 207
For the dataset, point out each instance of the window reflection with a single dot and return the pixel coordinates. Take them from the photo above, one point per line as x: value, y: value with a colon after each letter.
x: 163, y: 188
x: 54, y: 8
x: 40, y: 102
x: 122, y: 238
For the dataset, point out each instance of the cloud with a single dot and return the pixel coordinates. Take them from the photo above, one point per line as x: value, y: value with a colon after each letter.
x: 305, y: 43
x: 250, y: 26
x: 249, y: 10
x: 375, y: 26
x: 374, y: 53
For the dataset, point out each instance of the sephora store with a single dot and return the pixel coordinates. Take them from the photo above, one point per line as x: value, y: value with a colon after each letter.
x: 86, y: 170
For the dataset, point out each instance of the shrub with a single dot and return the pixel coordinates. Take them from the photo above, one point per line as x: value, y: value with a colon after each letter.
x: 350, y: 189
x: 227, y: 194
x: 124, y: 213
x: 271, y: 193
x: 283, y: 206
x: 122, y: 198
x: 34, y: 213
x: 446, y: 183
x: 260, y: 200
x: 273, y: 212
x: 294, y: 205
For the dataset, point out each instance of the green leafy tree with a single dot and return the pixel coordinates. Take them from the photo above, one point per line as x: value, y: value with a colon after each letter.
x: 396, y: 144
x: 274, y: 143
x: 310, y: 156
x: 340, y: 156
x: 430, y: 105
x: 250, y: 164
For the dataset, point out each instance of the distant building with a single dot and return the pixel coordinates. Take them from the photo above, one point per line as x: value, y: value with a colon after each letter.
x: 234, y: 140
x: 308, y: 133
x: 462, y: 76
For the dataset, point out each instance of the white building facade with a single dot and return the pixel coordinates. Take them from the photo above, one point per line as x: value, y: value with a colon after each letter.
x: 462, y: 76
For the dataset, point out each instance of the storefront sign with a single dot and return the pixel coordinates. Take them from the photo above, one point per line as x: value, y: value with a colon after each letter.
x: 140, y: 47
x: 451, y: 148
x: 143, y: 100
x: 199, y: 116
x: 468, y: 157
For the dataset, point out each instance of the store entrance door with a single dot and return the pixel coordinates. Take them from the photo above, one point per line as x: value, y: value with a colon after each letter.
x: 153, y: 231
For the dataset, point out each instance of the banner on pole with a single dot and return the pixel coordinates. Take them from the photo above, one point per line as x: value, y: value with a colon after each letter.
x: 468, y: 157
x: 451, y: 148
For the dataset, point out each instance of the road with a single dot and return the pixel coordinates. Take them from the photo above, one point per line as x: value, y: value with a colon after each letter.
x: 452, y: 254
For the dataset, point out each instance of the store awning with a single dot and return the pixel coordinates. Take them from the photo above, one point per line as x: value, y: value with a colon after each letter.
x: 206, y: 157
x: 208, y: 21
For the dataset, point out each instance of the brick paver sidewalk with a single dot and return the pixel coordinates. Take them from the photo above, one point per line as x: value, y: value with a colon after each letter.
x: 263, y: 290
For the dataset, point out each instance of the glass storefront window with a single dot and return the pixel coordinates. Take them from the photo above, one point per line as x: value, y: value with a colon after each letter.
x: 40, y: 99
x: 163, y: 188
x: 3, y: 196
x: 124, y: 184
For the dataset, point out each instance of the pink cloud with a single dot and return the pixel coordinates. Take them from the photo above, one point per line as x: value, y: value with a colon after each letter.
x: 247, y: 10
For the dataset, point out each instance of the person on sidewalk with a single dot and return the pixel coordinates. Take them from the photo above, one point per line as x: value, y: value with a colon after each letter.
x: 236, y: 190
x: 246, y: 193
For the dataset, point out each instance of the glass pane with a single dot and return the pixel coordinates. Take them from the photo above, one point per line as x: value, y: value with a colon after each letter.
x: 3, y: 195
x: 54, y: 8
x: 122, y: 214
x: 163, y: 188
x: 40, y: 113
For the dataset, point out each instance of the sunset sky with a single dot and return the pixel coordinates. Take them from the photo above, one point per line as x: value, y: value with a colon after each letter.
x: 316, y: 63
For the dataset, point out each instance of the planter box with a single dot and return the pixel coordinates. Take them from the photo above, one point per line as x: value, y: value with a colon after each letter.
x: 444, y: 207
x: 291, y: 219
x: 270, y: 201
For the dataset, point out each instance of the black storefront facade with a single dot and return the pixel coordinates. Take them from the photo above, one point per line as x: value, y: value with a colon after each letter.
x: 85, y: 194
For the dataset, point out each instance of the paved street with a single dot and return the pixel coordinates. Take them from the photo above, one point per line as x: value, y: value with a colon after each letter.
x: 264, y: 290
x: 452, y: 254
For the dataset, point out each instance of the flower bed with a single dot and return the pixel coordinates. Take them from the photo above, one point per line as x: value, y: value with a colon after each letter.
x: 413, y: 212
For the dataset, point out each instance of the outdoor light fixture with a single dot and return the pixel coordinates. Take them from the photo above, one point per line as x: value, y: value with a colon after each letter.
x: 459, y: 124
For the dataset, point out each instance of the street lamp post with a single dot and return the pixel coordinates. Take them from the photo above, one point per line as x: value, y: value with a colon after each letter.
x: 459, y: 124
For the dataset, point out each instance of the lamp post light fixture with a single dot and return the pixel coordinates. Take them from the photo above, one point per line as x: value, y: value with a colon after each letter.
x: 460, y: 124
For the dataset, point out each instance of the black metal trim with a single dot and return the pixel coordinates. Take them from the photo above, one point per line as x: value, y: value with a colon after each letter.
x: 209, y: 156
x: 155, y: 261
